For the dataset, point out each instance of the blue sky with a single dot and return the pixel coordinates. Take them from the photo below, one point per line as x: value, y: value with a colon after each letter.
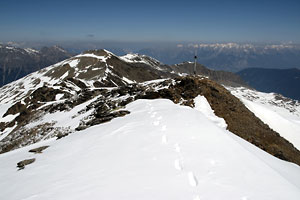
x: 186, y: 20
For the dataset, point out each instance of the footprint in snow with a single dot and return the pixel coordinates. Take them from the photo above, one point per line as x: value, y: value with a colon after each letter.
x: 192, y: 179
x: 159, y: 118
x: 153, y: 115
x: 164, y: 128
x: 150, y: 110
x: 178, y: 165
x: 177, y: 148
x: 164, y: 139
x: 196, y: 197
x: 156, y: 123
x: 211, y: 172
x: 214, y: 163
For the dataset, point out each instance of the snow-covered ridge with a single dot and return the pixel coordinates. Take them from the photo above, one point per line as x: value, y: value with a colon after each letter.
x: 276, y: 100
x: 202, y: 105
x: 161, y: 150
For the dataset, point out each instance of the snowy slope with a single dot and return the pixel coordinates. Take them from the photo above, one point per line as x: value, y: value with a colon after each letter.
x: 137, y: 58
x: 159, y: 151
x: 281, y: 114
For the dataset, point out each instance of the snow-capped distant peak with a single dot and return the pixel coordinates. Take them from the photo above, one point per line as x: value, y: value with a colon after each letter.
x: 91, y: 55
x: 108, y: 52
x: 130, y: 57
x: 137, y: 58
x: 31, y: 51
x: 183, y: 63
x: 101, y: 54
x: 11, y: 48
x: 59, y: 48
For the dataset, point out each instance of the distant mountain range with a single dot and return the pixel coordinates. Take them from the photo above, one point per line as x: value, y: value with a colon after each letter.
x: 17, y: 62
x: 283, y: 81
x: 230, y: 56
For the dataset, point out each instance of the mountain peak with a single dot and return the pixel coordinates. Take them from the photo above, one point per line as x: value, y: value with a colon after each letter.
x: 99, y: 52
x: 52, y: 49
x: 138, y: 58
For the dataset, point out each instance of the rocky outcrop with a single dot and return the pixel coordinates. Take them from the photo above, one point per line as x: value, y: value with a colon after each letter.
x: 23, y: 163
x: 38, y: 150
x: 221, y: 77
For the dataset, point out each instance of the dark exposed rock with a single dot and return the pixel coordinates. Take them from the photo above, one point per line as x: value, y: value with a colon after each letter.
x: 106, y: 117
x: 126, y: 101
x: 22, y: 136
x: 77, y: 82
x: 16, y: 108
x: 81, y: 127
x: 2, y: 126
x: 23, y: 163
x: 82, y: 96
x: 59, y: 107
x: 61, y: 135
x: 60, y: 71
x: 38, y: 150
x: 23, y: 116
x: 221, y: 77
x: 98, y: 84
x: 44, y: 94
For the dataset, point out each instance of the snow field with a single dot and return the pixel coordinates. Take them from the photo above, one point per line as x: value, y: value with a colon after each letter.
x: 275, y: 113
